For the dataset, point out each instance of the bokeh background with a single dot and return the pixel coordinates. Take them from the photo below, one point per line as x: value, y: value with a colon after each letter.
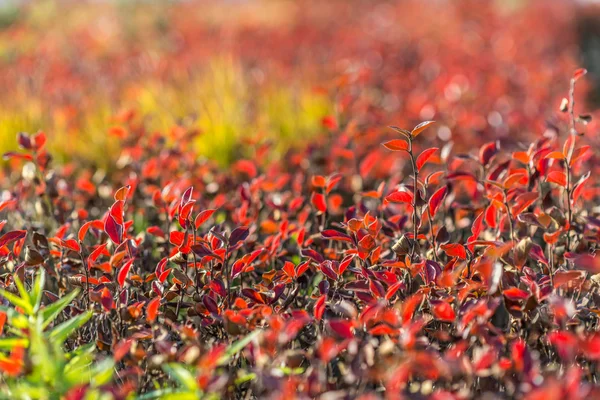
x: 284, y: 72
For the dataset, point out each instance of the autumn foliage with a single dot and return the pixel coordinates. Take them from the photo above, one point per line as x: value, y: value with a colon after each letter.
x: 374, y: 261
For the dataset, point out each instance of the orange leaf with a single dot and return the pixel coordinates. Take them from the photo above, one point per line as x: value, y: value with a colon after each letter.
x: 557, y: 177
x: 152, y: 310
x: 420, y: 128
x: 396, y: 145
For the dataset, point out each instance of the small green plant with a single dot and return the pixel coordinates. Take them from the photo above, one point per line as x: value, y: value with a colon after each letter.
x: 188, y: 385
x: 37, y: 366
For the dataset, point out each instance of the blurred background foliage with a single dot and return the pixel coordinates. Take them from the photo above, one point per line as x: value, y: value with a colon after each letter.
x: 69, y: 67
x: 243, y: 71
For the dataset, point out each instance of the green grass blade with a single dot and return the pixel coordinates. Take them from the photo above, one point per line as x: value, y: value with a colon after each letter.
x: 10, y: 343
x: 50, y: 312
x: 22, y: 291
x: 102, y: 372
x: 181, y: 375
x: 38, y: 288
x: 17, y: 301
x: 238, y: 346
x: 61, y: 332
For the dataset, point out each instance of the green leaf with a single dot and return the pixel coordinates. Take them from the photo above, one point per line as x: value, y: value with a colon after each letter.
x: 45, y: 366
x: 77, y: 371
x: 245, y: 378
x: 102, y: 372
x: 86, y: 349
x: 50, y: 312
x: 236, y: 347
x: 167, y: 394
x: 38, y: 287
x: 22, y: 290
x: 17, y: 301
x: 61, y: 332
x: 10, y: 343
x: 181, y: 375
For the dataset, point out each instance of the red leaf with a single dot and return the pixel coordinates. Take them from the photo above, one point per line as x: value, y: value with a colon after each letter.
x: 2, y: 321
x: 523, y: 201
x: 96, y: 253
x: 476, y: 229
x: 318, y: 181
x: 578, y: 188
x: 396, y: 145
x: 184, y: 213
x: 152, y: 309
x: 71, y: 244
x: 203, y: 216
x: 436, y: 199
x: 367, y: 243
x: 123, y: 272
x: 342, y: 328
x: 368, y: 163
x: 39, y: 140
x: 164, y: 275
x: 186, y: 197
x: 444, y: 312
x: 83, y: 230
x: 288, y: 268
x: 254, y: 295
x: 155, y: 231
x: 410, y: 305
x: 24, y: 141
x: 490, y: 216
x: 424, y: 157
x: 176, y: 238
x: 12, y: 236
x: 237, y: 268
x: 455, y: 250
x: 579, y: 73
x: 393, y: 289
x: 114, y: 230
x: 345, y: 263
x: 399, y: 197
x: 515, y: 294
x: 336, y: 235
x: 329, y: 122
x: 318, y: 200
x: 301, y: 269
x: 211, y: 305
x: 588, y: 262
x: 577, y: 154
x: 565, y: 343
x: 117, y: 131
x: 319, y: 308
x: 116, y: 210
x: 121, y: 349
x: 486, y: 152
x: 107, y: 300
x: 238, y: 235
x: 247, y: 167
x: 565, y: 277
x: 12, y: 154
x: 557, y: 177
